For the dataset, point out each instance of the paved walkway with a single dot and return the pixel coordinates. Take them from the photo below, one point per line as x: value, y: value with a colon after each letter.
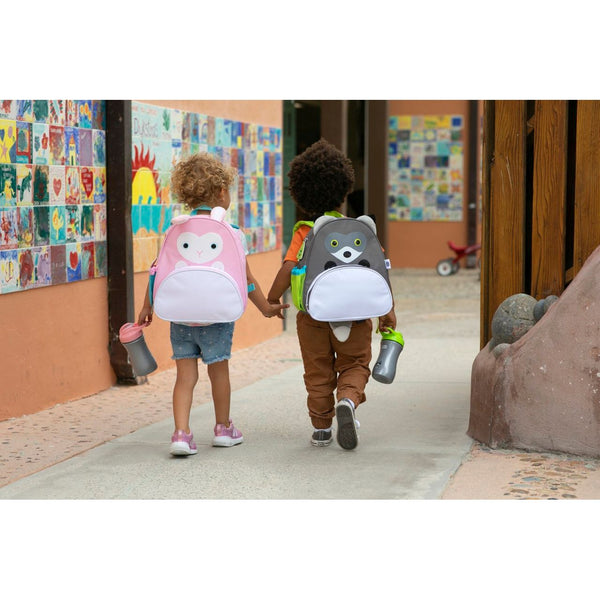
x: 413, y: 443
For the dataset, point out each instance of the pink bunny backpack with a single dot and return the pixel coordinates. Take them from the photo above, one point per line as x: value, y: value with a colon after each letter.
x: 200, y: 273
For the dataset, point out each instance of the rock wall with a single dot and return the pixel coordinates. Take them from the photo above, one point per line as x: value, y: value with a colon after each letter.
x: 542, y: 392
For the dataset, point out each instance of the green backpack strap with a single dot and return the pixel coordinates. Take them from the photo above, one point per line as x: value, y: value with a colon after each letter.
x: 300, y: 223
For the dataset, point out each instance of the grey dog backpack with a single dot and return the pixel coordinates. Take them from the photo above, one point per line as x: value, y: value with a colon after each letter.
x: 342, y: 273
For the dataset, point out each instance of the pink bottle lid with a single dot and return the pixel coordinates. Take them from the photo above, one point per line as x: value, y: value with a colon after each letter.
x: 130, y: 332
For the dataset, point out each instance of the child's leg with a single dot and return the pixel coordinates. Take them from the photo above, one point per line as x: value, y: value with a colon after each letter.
x: 218, y: 374
x: 352, y: 362
x: 183, y: 392
x: 319, y: 376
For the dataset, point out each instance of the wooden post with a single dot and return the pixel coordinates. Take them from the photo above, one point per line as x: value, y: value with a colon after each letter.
x: 504, y: 247
x: 587, y: 182
x: 548, y: 224
x: 119, y: 233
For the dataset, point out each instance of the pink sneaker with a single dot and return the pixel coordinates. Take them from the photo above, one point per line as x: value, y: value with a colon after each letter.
x: 227, y: 436
x: 182, y: 443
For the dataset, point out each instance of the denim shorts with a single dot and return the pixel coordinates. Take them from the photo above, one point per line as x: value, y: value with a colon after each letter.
x: 211, y: 343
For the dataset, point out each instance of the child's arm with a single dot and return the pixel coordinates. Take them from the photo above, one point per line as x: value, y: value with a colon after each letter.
x: 281, y: 282
x: 268, y: 309
x: 145, y: 315
x: 388, y: 321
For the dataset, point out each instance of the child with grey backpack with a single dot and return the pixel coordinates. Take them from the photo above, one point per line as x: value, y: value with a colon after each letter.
x: 334, y: 327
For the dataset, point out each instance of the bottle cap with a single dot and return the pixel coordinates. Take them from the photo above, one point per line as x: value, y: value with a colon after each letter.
x: 395, y: 336
x: 130, y: 332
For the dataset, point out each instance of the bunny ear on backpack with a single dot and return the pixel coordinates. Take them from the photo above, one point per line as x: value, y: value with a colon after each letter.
x: 218, y: 213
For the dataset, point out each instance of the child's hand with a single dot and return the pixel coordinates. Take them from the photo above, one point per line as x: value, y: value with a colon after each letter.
x: 387, y: 321
x: 145, y: 315
x: 274, y: 309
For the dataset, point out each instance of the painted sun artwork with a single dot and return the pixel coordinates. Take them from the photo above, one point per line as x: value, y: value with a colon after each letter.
x: 425, y: 168
x: 52, y: 192
x: 161, y: 136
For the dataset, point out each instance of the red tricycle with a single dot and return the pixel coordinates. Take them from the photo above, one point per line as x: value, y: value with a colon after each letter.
x: 449, y: 266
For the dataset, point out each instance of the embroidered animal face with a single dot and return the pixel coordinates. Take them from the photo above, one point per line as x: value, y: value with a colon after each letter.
x: 345, y: 247
x: 200, y: 249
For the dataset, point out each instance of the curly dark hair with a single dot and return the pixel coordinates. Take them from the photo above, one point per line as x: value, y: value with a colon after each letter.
x: 200, y: 178
x: 320, y: 178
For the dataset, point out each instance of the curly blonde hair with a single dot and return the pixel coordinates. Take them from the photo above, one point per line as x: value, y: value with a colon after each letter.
x: 200, y: 179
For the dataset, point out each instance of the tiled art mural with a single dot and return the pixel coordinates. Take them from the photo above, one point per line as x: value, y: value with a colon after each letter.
x: 52, y: 192
x: 425, y: 168
x: 161, y: 136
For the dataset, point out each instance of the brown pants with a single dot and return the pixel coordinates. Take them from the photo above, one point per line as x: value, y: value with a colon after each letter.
x: 329, y: 363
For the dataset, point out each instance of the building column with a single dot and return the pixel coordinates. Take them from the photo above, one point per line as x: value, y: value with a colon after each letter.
x: 376, y: 165
x: 119, y: 234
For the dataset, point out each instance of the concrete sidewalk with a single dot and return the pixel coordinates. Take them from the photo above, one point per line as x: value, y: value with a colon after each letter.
x: 413, y: 443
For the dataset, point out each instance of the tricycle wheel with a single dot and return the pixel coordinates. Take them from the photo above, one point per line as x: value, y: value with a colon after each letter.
x: 455, y: 267
x: 445, y: 267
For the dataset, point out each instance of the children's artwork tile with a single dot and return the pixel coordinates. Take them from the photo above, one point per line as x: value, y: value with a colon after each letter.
x: 71, y: 113
x: 23, y: 145
x: 72, y: 185
x: 41, y: 190
x: 100, y: 259
x: 24, y: 110
x: 8, y: 109
x: 24, y: 184
x: 99, y: 184
x: 162, y: 136
x: 84, y: 113
x: 56, y: 110
x: 8, y: 185
x: 40, y: 143
x: 99, y: 148
x: 57, y: 184
x: 52, y: 192
x: 425, y: 167
x: 98, y: 115
x: 86, y: 155
x: 73, y: 262
x: 86, y: 179
x: 58, y: 225
x: 41, y: 111
x: 57, y: 145
x: 58, y: 264
x: 71, y: 146
x: 8, y: 141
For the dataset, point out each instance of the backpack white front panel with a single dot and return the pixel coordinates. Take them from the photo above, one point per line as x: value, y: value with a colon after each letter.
x: 348, y: 293
x: 187, y: 296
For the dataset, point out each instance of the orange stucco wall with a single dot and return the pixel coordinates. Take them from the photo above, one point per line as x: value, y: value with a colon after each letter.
x: 54, y: 346
x: 423, y: 244
x: 54, y: 340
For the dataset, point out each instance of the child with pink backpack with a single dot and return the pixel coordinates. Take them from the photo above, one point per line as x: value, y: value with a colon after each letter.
x: 200, y: 283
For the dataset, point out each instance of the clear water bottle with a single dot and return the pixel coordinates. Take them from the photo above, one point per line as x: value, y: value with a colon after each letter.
x: 391, y: 345
x: 132, y: 337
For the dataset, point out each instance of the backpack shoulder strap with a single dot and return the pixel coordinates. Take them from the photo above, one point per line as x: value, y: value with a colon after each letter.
x: 300, y: 223
x: 329, y: 213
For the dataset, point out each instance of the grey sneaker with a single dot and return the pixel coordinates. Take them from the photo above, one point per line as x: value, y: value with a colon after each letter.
x: 321, y: 438
x: 347, y: 434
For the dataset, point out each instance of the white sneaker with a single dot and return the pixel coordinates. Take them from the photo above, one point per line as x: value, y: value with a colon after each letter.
x: 347, y: 429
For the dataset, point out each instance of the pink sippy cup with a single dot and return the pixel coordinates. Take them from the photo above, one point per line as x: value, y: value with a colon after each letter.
x: 132, y: 337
